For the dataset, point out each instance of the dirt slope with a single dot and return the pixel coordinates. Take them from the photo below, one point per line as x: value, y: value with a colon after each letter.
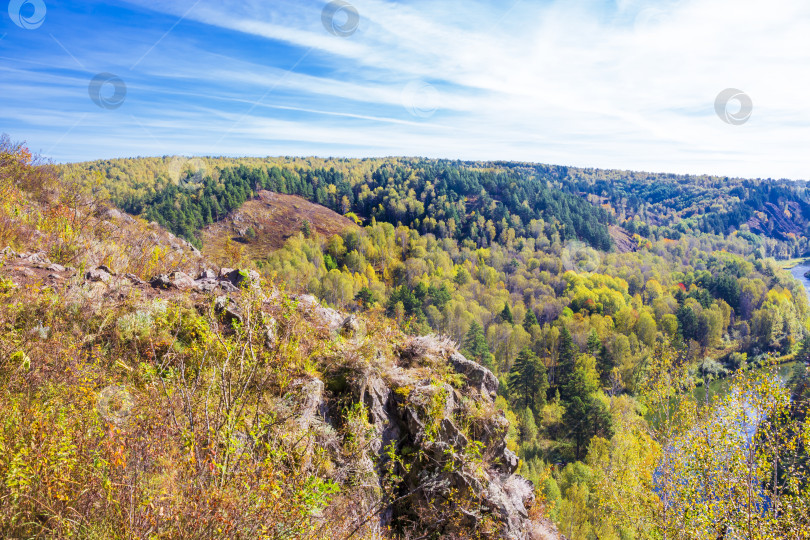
x: 263, y: 224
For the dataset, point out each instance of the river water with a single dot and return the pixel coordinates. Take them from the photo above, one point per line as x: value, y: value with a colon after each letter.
x: 783, y: 372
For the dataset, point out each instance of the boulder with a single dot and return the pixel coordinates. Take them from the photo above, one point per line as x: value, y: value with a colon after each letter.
x: 175, y: 280
x: 352, y: 328
x: 227, y: 310
x: 207, y: 274
x: 98, y: 275
x: 476, y: 375
x: 240, y: 278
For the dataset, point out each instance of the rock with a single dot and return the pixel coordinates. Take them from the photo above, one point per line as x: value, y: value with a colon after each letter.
x: 207, y: 274
x: 55, y: 268
x: 477, y: 376
x: 227, y: 310
x: 135, y: 280
x: 106, y: 269
x: 98, y: 275
x: 323, y: 316
x: 352, y: 328
x: 181, y: 281
x: 271, y: 333
x: 509, y: 497
x: 240, y: 278
x: 176, y: 280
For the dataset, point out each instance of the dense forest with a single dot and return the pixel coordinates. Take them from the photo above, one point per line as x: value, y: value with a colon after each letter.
x: 516, y: 263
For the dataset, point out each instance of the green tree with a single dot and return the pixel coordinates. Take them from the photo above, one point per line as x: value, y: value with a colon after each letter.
x: 476, y: 348
x: 567, y: 358
x: 506, y: 314
x: 528, y: 381
x: 365, y: 297
x: 530, y: 319
x: 585, y: 415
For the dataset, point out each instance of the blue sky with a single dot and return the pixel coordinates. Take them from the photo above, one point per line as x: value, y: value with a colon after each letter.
x: 627, y: 84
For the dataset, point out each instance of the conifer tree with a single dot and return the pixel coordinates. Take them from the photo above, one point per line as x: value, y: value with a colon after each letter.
x: 527, y: 380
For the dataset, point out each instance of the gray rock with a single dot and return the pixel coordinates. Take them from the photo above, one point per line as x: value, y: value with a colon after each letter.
x: 135, y: 280
x: 207, y: 274
x: 477, y: 376
x: 323, y: 316
x: 240, y: 278
x: 228, y: 310
x: 55, y: 268
x: 352, y: 328
x: 98, y: 275
x: 106, y: 269
x: 175, y: 280
x: 271, y: 333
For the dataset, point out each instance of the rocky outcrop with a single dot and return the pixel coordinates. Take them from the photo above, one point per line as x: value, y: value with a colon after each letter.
x: 227, y: 280
x: 445, y: 444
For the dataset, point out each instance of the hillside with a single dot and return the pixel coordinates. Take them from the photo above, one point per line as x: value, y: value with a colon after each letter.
x: 210, y: 404
x: 262, y: 225
x: 473, y: 362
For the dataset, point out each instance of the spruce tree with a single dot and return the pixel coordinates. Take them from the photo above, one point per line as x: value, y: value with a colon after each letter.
x: 506, y: 314
x: 528, y: 381
x: 476, y: 348
x: 529, y: 320
x: 567, y: 359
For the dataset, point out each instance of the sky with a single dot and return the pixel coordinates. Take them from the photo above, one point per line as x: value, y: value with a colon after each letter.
x: 682, y: 86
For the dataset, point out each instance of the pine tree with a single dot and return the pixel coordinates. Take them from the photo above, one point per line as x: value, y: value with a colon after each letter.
x: 506, y: 314
x: 476, y: 348
x: 527, y: 380
x: 529, y: 320
x: 567, y: 354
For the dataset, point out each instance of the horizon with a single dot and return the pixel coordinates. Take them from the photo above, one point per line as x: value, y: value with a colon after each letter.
x: 585, y: 83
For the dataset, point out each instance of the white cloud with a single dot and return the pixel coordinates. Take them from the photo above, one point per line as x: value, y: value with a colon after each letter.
x: 578, y: 82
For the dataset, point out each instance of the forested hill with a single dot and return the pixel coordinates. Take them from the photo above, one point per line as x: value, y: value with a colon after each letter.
x: 449, y: 199
x: 471, y: 200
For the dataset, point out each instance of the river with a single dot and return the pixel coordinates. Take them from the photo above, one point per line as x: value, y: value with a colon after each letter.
x: 798, y: 272
x: 784, y: 371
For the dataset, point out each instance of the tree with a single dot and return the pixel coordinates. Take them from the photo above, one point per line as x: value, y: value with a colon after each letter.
x: 528, y: 381
x: 476, y: 348
x: 506, y: 314
x: 530, y: 319
x: 365, y: 297
x: 585, y: 414
x: 567, y: 357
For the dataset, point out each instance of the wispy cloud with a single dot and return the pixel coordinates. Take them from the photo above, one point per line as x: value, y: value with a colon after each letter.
x: 624, y: 84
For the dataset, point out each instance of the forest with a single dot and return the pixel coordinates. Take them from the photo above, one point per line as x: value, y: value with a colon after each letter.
x: 516, y: 263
